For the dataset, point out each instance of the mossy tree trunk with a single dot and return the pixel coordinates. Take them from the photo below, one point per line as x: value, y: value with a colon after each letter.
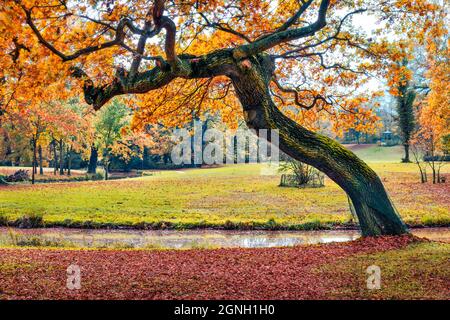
x: 375, y: 211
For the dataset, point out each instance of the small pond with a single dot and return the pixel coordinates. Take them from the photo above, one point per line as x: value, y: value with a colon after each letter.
x: 174, y: 239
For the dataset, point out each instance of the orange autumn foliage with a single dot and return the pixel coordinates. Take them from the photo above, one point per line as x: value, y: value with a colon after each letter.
x: 335, y: 63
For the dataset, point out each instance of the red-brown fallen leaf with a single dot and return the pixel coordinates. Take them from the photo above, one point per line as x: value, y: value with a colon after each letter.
x: 270, y: 273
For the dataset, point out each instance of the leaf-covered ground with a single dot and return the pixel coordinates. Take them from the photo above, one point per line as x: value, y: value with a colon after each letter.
x: 410, y: 269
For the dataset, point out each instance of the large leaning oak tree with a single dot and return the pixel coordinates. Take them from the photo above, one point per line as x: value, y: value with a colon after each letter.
x: 278, y: 63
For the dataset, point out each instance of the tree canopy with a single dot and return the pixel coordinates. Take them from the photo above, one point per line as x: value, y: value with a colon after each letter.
x: 166, y: 50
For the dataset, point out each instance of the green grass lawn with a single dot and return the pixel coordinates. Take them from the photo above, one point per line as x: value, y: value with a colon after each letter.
x: 231, y: 196
x: 375, y: 153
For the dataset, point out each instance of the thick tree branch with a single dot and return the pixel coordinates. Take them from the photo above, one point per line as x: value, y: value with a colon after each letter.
x: 291, y: 20
x: 277, y: 38
x: 164, y: 22
x: 334, y: 36
x: 189, y: 67
x: 140, y: 47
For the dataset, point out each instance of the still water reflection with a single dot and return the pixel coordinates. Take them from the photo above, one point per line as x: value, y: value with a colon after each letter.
x: 172, y: 239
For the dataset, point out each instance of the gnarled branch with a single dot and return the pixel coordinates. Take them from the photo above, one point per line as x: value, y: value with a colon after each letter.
x: 316, y: 98
x: 120, y: 34
x: 216, y: 63
x: 164, y: 22
x: 227, y: 29
x: 15, y: 53
x: 277, y: 38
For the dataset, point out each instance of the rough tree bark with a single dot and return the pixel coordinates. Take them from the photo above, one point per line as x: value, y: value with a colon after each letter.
x: 375, y: 211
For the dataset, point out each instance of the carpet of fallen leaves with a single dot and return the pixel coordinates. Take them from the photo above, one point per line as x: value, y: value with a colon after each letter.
x: 269, y: 273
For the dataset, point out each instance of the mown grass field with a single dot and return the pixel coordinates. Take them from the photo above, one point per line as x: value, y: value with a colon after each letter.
x: 374, y: 153
x: 231, y: 196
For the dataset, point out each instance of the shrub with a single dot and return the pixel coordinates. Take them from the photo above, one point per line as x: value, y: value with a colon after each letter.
x: 3, y: 180
x: 313, y: 225
x: 300, y: 170
x: 98, y: 176
x: 299, y: 174
x: 30, y: 221
x: 229, y: 225
x: 23, y: 240
x: 3, y: 220
x: 18, y: 176
x: 93, y: 176
x: 271, y: 224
